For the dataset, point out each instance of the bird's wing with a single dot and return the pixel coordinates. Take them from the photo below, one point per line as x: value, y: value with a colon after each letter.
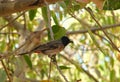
x: 48, y: 46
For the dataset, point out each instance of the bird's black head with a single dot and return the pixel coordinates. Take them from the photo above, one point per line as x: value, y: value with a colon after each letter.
x: 65, y: 40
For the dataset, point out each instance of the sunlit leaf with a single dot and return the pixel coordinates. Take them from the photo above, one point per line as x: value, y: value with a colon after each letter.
x: 76, y: 7
x: 60, y: 15
x: 112, y: 75
x: 64, y: 67
x: 44, y: 14
x: 112, y: 61
x: 95, y: 41
x: 3, y: 76
x: 32, y: 14
x: 58, y: 31
x: 67, y: 2
x: 55, y: 18
x: 111, y: 5
x: 3, y: 45
x: 28, y: 61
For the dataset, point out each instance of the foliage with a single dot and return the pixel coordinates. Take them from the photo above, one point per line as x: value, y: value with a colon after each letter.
x: 94, y: 55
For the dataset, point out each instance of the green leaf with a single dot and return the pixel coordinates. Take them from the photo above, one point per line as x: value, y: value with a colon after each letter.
x: 62, y: 5
x: 111, y: 5
x: 28, y: 61
x: 101, y: 67
x: 60, y: 15
x: 44, y: 14
x: 64, y: 67
x: 58, y: 32
x: 2, y: 45
x: 95, y: 41
x: 76, y: 7
x: 2, y: 75
x: 67, y: 2
x: 32, y: 14
x: 55, y: 18
x: 112, y: 61
x: 112, y: 76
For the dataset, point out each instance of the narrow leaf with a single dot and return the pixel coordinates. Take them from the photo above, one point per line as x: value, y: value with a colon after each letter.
x: 64, y: 67
x: 55, y: 18
x: 111, y: 5
x: 95, y: 41
x: 2, y: 75
x: 112, y: 76
x: 28, y: 61
x: 58, y: 32
x: 32, y: 14
x: 44, y: 14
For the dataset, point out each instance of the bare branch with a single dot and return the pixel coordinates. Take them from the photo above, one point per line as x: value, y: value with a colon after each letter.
x: 93, y: 29
x: 11, y: 21
x: 49, y: 21
x: 79, y: 67
x: 8, y: 7
x: 92, y: 15
x: 53, y: 59
x: 6, y: 70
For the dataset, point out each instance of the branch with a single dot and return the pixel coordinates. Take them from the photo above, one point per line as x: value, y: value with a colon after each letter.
x: 53, y: 60
x: 81, y: 31
x: 78, y: 66
x: 6, y: 70
x: 49, y: 21
x: 8, y: 7
x: 18, y: 26
x: 92, y: 15
x: 93, y: 29
x: 11, y: 21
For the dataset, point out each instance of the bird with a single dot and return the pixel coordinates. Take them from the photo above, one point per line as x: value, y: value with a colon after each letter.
x: 52, y: 47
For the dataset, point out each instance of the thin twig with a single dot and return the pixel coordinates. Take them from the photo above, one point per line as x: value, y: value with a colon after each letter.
x: 53, y: 58
x: 49, y: 21
x: 81, y: 31
x: 80, y: 20
x: 92, y: 15
x: 80, y: 67
x: 4, y: 33
x: 101, y: 37
x: 12, y: 21
x: 24, y: 18
x: 6, y: 70
x: 51, y: 34
x: 55, y: 63
x: 93, y: 29
x: 50, y: 65
x: 113, y: 16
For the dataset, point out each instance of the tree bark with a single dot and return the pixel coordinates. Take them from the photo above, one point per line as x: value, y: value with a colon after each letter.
x: 8, y: 7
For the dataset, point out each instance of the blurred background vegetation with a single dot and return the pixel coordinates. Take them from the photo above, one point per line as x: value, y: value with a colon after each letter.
x: 93, y: 25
